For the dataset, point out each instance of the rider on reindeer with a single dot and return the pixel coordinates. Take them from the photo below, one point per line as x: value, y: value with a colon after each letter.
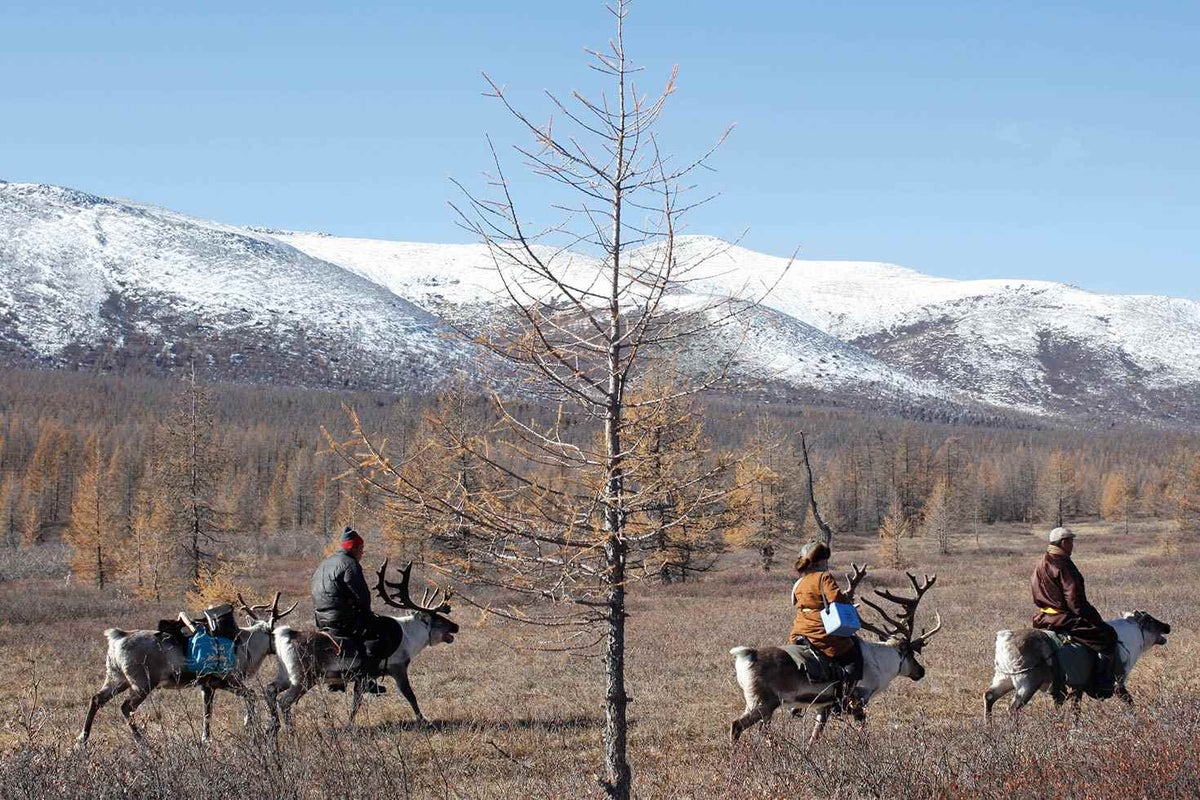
x: 1063, y: 608
x: 815, y: 589
x: 342, y: 606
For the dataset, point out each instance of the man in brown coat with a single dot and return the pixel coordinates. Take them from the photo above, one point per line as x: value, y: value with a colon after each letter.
x: 1063, y: 607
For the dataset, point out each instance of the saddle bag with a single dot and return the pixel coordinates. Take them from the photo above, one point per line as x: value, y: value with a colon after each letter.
x: 840, y: 619
x: 210, y: 655
x: 220, y: 621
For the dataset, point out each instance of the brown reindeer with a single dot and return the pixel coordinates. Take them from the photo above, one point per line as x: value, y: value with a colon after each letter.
x: 307, y: 658
x: 770, y: 677
x: 143, y: 661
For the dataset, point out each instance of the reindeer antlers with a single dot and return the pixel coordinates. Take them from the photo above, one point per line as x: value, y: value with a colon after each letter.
x: 925, y: 636
x: 903, y: 623
x: 855, y: 576
x: 401, y: 598
x: 275, y: 615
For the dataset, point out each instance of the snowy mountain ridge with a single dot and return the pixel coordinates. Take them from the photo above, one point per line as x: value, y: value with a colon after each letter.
x: 89, y: 280
x: 1028, y: 345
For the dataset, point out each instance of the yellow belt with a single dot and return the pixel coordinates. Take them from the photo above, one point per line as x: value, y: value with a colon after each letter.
x: 1049, y: 611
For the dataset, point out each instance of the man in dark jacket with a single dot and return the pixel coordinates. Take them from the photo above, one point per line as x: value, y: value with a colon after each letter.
x: 1063, y: 607
x: 342, y: 606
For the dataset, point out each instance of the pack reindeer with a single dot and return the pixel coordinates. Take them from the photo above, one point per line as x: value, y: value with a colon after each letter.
x: 1028, y: 661
x: 307, y: 658
x: 142, y: 661
x: 770, y: 677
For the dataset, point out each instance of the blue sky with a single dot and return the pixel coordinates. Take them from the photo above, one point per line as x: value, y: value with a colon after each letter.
x: 967, y: 139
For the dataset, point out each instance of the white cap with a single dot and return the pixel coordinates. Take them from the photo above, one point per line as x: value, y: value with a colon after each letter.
x: 1058, y: 534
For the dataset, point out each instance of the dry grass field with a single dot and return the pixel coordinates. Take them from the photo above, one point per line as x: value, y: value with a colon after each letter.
x: 511, y: 721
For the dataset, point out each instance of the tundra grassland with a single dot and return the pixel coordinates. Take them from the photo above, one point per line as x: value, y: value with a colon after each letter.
x: 512, y: 720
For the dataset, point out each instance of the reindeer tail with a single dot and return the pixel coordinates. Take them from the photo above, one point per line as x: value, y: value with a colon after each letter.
x: 115, y: 634
x: 743, y: 665
x: 748, y: 654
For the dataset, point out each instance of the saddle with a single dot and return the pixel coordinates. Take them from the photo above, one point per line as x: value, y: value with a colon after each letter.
x: 1076, y: 663
x: 820, y: 668
x: 367, y: 656
x: 217, y: 620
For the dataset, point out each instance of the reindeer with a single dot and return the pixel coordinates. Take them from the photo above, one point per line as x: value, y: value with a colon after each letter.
x: 770, y: 677
x: 309, y: 657
x: 147, y: 660
x: 1027, y: 660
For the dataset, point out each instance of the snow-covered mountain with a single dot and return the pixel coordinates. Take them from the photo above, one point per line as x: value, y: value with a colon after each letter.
x: 884, y: 332
x: 461, y: 285
x: 1036, y: 346
x: 86, y: 280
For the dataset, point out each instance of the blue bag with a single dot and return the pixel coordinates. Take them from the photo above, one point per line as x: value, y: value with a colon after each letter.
x: 840, y: 619
x: 209, y: 655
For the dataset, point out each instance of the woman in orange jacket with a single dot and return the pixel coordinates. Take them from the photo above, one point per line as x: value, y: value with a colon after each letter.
x: 814, y: 588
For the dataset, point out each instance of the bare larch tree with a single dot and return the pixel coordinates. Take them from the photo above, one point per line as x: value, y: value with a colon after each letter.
x: 562, y: 500
x: 187, y: 466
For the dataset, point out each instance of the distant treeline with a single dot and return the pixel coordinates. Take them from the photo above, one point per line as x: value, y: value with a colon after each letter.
x: 151, y: 481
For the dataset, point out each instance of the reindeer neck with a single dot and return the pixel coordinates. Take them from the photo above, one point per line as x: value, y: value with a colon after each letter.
x: 415, y: 634
x: 881, y: 665
x: 1132, y: 642
x: 254, y: 641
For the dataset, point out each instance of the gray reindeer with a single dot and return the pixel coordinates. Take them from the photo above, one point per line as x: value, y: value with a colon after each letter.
x: 307, y: 658
x: 143, y: 660
x: 1029, y: 660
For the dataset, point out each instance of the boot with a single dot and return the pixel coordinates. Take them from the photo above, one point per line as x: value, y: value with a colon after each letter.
x: 852, y: 704
x: 374, y: 666
x: 1103, y: 677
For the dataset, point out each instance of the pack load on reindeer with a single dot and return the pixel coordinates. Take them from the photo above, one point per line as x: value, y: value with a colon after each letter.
x: 139, y: 661
x: 210, y: 647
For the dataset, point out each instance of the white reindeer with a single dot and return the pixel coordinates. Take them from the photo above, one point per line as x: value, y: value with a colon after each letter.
x: 1027, y: 661
x: 307, y: 658
x: 770, y: 677
x: 146, y: 660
